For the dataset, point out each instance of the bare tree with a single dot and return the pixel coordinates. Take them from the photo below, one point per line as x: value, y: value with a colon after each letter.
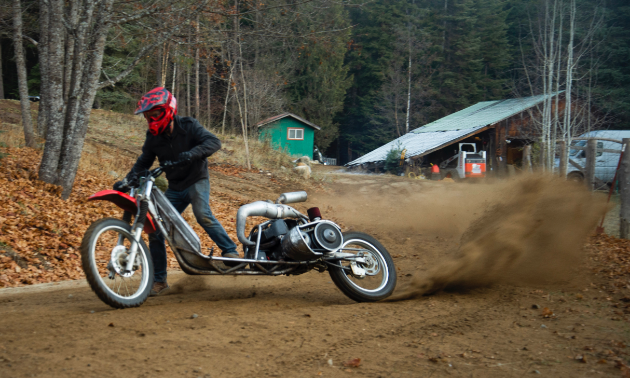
x: 27, y: 122
x: 405, y: 83
x: 553, y: 68
x: 67, y: 122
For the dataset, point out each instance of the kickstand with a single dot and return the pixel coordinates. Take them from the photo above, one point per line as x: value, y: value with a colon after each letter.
x: 211, y: 252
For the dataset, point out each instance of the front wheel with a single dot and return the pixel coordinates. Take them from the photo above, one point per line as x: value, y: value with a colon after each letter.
x: 104, y: 256
x: 369, y: 281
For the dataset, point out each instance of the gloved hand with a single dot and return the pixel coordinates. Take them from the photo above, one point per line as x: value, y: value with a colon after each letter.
x: 185, y: 156
x: 122, y: 186
x: 125, y: 185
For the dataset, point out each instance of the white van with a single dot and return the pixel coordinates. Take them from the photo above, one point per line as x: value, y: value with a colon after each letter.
x: 605, y: 162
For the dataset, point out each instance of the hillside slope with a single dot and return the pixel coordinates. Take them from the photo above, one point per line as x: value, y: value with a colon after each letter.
x: 40, y: 234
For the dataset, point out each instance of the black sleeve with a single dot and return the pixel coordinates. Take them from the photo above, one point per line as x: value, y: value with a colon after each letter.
x: 145, y: 160
x: 208, y: 143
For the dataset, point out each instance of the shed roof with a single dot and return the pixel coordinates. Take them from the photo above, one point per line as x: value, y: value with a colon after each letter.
x: 284, y: 115
x: 481, y: 114
x: 456, y: 126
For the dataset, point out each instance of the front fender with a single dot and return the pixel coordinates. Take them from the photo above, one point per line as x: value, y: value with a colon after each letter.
x: 125, y: 202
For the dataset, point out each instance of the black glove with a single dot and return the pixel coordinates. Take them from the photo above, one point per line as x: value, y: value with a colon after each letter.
x: 126, y: 183
x: 185, y: 156
x: 122, y: 186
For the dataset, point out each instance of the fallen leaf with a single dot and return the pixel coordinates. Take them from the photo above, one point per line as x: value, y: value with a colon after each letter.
x: 547, y: 313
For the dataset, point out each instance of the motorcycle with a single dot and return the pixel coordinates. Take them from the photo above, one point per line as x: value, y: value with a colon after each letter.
x: 118, y: 265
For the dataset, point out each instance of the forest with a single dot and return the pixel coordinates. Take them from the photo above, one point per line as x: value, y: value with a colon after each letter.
x: 366, y: 72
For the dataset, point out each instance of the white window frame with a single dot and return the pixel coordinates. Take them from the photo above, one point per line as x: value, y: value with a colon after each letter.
x: 296, y: 129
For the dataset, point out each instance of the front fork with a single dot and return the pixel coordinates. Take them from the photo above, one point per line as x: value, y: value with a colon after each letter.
x: 138, y: 225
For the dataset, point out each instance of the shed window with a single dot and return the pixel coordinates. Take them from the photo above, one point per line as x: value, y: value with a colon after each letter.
x: 295, y: 134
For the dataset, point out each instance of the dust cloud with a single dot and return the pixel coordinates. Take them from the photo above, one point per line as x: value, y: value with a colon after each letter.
x: 526, y: 230
x: 189, y: 284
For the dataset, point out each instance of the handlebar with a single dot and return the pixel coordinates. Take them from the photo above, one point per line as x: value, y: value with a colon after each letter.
x: 155, y: 173
x: 167, y: 165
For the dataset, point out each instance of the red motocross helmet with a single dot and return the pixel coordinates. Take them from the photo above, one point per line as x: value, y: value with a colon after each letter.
x: 158, y: 98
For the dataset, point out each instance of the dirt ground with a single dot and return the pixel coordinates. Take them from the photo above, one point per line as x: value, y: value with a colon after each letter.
x: 304, y: 326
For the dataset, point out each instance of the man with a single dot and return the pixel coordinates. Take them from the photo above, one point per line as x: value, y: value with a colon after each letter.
x: 174, y: 138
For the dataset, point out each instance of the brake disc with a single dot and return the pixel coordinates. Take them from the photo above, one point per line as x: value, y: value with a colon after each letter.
x: 371, y: 265
x: 118, y: 262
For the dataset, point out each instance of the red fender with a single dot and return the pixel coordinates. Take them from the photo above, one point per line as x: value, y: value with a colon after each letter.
x: 125, y: 202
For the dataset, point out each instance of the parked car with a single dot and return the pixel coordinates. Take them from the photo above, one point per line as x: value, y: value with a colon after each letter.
x: 317, y: 155
x: 605, y: 162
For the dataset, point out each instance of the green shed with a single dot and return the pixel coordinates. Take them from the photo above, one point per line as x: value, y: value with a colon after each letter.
x: 290, y: 132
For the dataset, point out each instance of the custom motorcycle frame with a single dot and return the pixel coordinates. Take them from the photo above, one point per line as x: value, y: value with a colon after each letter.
x: 308, y: 242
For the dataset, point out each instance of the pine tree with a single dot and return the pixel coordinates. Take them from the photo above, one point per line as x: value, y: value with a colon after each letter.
x: 321, y: 79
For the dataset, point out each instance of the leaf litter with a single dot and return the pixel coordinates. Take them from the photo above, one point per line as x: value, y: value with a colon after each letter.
x: 40, y: 234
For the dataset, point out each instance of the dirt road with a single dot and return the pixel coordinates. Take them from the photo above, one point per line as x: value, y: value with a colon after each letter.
x: 303, y: 326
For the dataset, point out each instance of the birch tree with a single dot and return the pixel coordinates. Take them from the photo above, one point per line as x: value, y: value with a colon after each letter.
x: 552, y: 69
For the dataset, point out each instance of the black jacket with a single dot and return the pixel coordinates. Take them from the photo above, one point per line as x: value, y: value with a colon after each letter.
x: 187, y: 135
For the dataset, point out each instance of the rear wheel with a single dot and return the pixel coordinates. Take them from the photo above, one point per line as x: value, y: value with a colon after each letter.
x: 104, y: 256
x: 379, y: 274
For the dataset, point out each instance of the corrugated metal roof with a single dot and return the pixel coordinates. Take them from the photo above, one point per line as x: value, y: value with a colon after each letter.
x: 481, y: 114
x: 416, y: 144
x: 454, y: 126
x: 283, y: 115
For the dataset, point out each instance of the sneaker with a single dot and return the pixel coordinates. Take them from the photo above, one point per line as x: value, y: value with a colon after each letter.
x: 159, y: 288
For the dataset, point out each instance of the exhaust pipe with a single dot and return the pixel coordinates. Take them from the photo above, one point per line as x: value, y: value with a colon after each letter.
x: 262, y: 209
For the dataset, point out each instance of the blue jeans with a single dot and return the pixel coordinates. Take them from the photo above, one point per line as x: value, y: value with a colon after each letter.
x: 198, y: 194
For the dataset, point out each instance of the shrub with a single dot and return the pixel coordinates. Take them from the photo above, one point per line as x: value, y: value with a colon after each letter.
x: 392, y: 160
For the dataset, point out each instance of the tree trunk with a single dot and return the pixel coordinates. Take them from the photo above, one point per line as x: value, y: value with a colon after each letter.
x: 244, y: 122
x: 569, y: 78
x: 158, y: 69
x: 227, y: 97
x: 197, y: 107
x: 69, y: 49
x: 173, y: 87
x: 78, y: 120
x: 42, y: 47
x: 564, y: 158
x: 1, y: 81
x: 27, y: 122
x: 591, y: 153
x: 165, y: 58
x: 209, y: 87
x: 49, y: 168
x: 408, y: 90
x: 188, y: 102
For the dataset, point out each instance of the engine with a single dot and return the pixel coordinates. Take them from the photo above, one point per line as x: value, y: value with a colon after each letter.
x: 290, y: 234
x: 285, y: 239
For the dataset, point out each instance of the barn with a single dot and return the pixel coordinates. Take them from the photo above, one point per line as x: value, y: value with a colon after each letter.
x: 501, y: 128
x: 290, y: 132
